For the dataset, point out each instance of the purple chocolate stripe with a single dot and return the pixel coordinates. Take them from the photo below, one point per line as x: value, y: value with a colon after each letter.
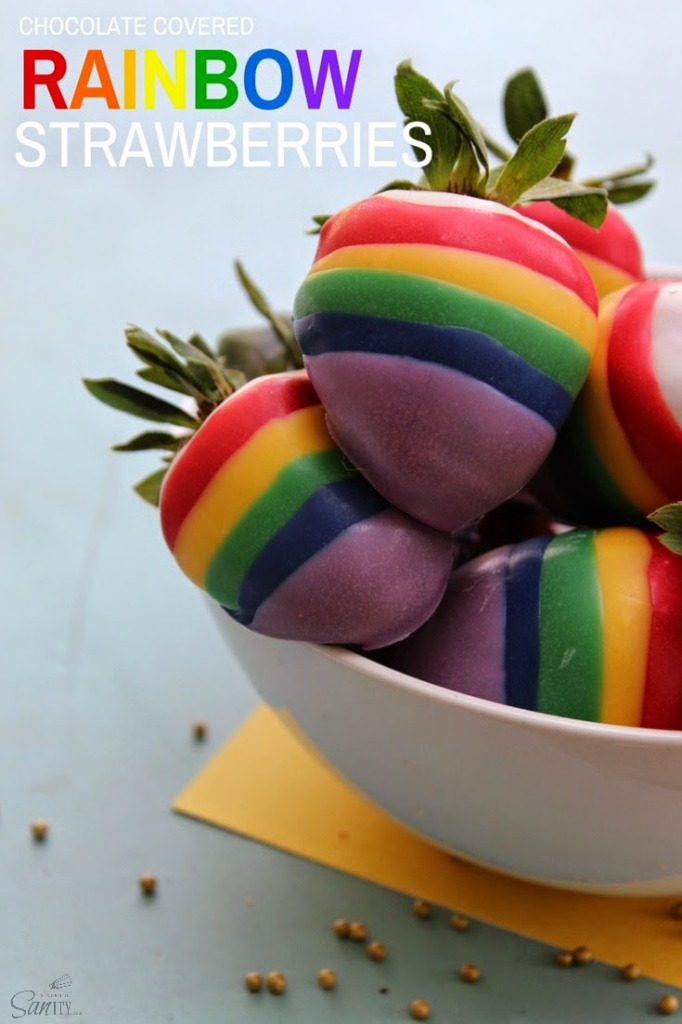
x: 434, y: 441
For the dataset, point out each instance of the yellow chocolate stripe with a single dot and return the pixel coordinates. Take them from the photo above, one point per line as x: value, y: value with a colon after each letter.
x: 243, y: 479
x: 622, y: 566
x: 493, y: 276
x: 606, y: 277
x: 608, y: 437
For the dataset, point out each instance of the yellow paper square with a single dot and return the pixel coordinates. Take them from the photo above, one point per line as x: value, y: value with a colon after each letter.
x: 272, y: 785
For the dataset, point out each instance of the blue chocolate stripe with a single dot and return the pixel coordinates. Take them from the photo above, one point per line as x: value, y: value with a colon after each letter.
x: 522, y: 622
x: 478, y: 355
x: 323, y: 517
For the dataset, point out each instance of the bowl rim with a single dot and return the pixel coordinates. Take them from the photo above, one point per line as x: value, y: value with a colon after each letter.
x: 599, y: 731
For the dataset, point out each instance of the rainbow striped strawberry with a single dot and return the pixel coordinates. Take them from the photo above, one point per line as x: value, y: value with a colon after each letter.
x: 619, y: 455
x: 446, y: 334
x: 586, y: 624
x: 263, y: 512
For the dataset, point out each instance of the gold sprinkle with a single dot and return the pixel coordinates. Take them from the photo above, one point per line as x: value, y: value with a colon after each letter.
x: 668, y: 1004
x: 253, y: 982
x: 422, y: 909
x: 630, y: 972
x: 326, y: 979
x: 276, y: 983
x: 341, y: 928
x: 147, y: 884
x: 565, y: 958
x: 470, y: 973
x: 459, y: 922
x: 377, y: 951
x: 420, y: 1009
x: 357, y: 931
x: 676, y: 909
x: 199, y: 730
x: 39, y: 830
x: 582, y: 955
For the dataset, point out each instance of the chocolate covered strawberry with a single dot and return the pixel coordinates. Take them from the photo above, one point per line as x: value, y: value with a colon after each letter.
x: 263, y: 512
x: 611, y: 252
x: 446, y: 334
x: 618, y: 457
x: 586, y: 624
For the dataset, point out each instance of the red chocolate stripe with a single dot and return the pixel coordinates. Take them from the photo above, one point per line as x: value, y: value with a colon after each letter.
x: 652, y: 431
x: 225, y: 431
x: 663, y: 688
x: 379, y: 220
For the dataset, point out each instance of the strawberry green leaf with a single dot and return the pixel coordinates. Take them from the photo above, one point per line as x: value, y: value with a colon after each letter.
x: 457, y: 113
x: 633, y: 171
x: 496, y: 149
x: 163, y: 378
x: 669, y: 519
x: 138, y: 403
x: 319, y: 221
x: 536, y: 156
x: 150, y: 487
x: 197, y: 341
x: 621, y: 194
x: 523, y: 103
x: 151, y: 352
x: 586, y: 204
x: 205, y: 370
x: 412, y: 91
x: 152, y: 440
x: 283, y: 327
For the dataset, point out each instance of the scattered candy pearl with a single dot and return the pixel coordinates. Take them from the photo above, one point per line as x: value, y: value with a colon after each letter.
x: 459, y: 922
x: 39, y: 830
x: 326, y: 979
x: 630, y: 972
x: 199, y: 731
x: 422, y: 909
x: 253, y: 982
x: 376, y: 951
x: 582, y: 955
x: 668, y: 1004
x: 420, y: 1009
x: 357, y: 931
x: 341, y: 928
x: 148, y: 884
x: 276, y: 983
x: 565, y: 958
x: 469, y: 973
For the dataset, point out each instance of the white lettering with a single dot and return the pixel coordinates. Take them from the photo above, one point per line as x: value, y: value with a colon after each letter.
x: 335, y: 144
x: 249, y: 143
x: 91, y: 143
x: 417, y: 143
x: 297, y: 144
x: 24, y: 140
x: 374, y: 143
x: 213, y: 143
x: 178, y: 137
x: 135, y: 135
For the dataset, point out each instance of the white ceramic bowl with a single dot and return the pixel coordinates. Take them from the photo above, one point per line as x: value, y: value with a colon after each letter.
x: 572, y: 804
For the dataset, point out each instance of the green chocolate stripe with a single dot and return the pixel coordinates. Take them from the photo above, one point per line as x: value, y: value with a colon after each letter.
x: 275, y: 507
x: 571, y: 645
x: 400, y: 296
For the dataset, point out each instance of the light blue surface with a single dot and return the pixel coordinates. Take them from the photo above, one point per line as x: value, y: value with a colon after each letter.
x: 107, y: 654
